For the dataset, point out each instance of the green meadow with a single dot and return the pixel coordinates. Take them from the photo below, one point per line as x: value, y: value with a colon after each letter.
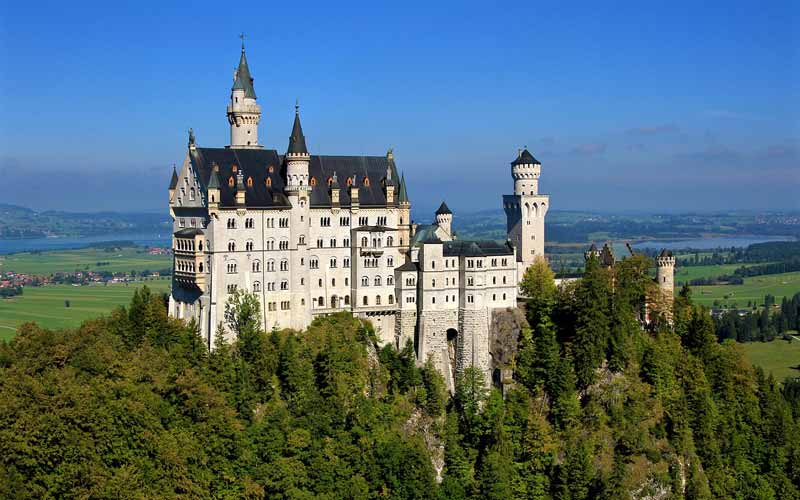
x: 779, y: 357
x: 46, y: 305
x: 754, y: 289
x: 85, y: 259
x: 685, y: 274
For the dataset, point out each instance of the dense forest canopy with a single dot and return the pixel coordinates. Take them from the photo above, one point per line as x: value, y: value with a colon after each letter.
x: 134, y: 406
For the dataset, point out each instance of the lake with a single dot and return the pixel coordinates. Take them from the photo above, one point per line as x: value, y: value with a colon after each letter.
x: 35, y: 244
x: 710, y: 243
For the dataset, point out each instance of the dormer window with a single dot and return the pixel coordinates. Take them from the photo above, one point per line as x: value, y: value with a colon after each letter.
x: 349, y: 181
x: 271, y: 169
x: 249, y: 182
x: 269, y: 182
x: 366, y: 181
x: 235, y: 168
x: 313, y: 181
x: 330, y: 181
x: 230, y: 181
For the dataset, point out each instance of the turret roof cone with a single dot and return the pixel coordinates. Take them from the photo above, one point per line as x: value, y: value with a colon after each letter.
x: 242, y: 79
x: 402, y: 196
x: 173, y: 183
x: 525, y: 158
x: 443, y: 210
x: 297, y: 141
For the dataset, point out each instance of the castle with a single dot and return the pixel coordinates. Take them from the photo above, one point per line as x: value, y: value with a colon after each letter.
x: 312, y: 235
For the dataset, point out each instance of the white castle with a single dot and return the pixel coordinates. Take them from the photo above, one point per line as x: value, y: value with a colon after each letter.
x: 311, y: 235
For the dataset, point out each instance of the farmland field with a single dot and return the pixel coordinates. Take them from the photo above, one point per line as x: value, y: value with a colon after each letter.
x: 684, y: 274
x: 86, y: 259
x: 753, y: 289
x: 779, y: 357
x: 46, y: 305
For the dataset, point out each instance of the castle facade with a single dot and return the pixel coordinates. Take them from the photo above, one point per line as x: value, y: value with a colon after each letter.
x: 311, y: 235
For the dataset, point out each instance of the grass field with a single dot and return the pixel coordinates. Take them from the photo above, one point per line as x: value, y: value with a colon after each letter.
x: 45, y: 305
x: 685, y: 274
x: 85, y: 259
x: 779, y: 357
x: 753, y: 289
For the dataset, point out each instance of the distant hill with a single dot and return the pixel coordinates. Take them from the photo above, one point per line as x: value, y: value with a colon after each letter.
x: 18, y: 222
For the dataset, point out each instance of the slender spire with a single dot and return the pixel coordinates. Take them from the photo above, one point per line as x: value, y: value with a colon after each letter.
x: 173, y: 183
x: 443, y: 209
x: 402, y: 196
x: 213, y: 181
x: 241, y: 78
x: 297, y: 141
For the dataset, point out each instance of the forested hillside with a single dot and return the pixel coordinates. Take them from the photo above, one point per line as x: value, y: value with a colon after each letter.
x: 133, y: 406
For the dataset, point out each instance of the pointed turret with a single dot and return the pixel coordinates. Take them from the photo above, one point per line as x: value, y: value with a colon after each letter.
x: 402, y: 196
x: 244, y: 113
x: 213, y: 188
x: 242, y: 79
x: 213, y: 181
x: 444, y: 210
x: 297, y: 141
x: 173, y: 183
x: 297, y: 158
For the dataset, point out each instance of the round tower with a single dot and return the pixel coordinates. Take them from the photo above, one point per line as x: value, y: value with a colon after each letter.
x: 297, y: 157
x: 444, y: 218
x: 526, y: 170
x: 244, y: 113
x: 665, y: 272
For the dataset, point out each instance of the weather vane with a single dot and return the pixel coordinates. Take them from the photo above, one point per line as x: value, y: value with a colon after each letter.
x: 241, y: 35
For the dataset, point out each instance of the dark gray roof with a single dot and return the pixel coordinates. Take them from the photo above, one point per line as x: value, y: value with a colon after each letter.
x: 189, y: 231
x: 665, y: 253
x: 524, y: 158
x: 409, y: 266
x: 173, y: 183
x: 425, y: 233
x: 242, y: 79
x: 477, y: 248
x: 255, y: 163
x: 443, y: 210
x: 213, y: 180
x: 297, y: 141
x: 374, y: 229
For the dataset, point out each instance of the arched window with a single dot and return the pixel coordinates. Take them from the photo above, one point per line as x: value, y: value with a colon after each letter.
x: 333, y: 262
x: 389, y: 241
x: 270, y: 169
x: 256, y: 286
x: 330, y: 181
x: 201, y: 267
x: 234, y: 168
x: 269, y: 182
x: 364, y: 241
x: 347, y: 300
x: 313, y: 181
x: 284, y: 265
x: 256, y: 266
x: 191, y: 194
x: 301, y: 240
x: 248, y: 246
x: 270, y: 265
x: 391, y: 299
x: 231, y: 246
x: 377, y: 300
x: 349, y: 181
x: 366, y: 181
x: 364, y: 281
x: 321, y: 301
x: 377, y: 281
x: 390, y: 280
x: 231, y: 181
x: 249, y: 182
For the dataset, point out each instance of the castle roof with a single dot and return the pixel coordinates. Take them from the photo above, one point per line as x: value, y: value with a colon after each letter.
x: 173, y: 183
x: 525, y: 158
x: 443, y: 210
x: 297, y: 141
x: 476, y: 248
x: 213, y: 180
x: 665, y: 253
x: 242, y: 79
x: 409, y: 266
x: 255, y: 163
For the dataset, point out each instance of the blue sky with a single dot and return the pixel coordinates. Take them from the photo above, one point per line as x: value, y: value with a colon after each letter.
x: 670, y: 106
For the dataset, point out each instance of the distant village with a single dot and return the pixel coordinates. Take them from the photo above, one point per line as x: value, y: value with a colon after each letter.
x: 13, y: 283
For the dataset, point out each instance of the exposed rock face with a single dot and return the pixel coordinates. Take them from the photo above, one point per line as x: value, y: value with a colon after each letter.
x: 505, y: 328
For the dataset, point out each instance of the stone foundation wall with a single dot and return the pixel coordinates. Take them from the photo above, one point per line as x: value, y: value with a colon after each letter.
x: 405, y: 326
x: 473, y: 342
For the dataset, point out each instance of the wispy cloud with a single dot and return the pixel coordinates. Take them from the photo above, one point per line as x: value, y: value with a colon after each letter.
x: 712, y: 154
x: 653, y: 129
x: 589, y: 149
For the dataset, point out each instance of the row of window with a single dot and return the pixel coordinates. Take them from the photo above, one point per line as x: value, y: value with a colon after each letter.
x: 331, y: 242
x: 192, y: 222
x: 187, y: 245
x: 187, y: 266
x: 377, y: 281
x: 283, y: 222
x: 470, y: 298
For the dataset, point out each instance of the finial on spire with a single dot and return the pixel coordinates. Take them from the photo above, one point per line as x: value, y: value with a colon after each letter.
x: 241, y: 35
x: 191, y: 136
x: 297, y: 106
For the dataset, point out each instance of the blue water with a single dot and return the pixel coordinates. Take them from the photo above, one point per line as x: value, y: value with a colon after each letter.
x: 710, y: 243
x: 42, y: 244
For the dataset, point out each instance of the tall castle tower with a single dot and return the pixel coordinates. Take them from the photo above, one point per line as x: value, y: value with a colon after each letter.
x: 243, y: 111
x: 526, y: 210
x: 665, y: 273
